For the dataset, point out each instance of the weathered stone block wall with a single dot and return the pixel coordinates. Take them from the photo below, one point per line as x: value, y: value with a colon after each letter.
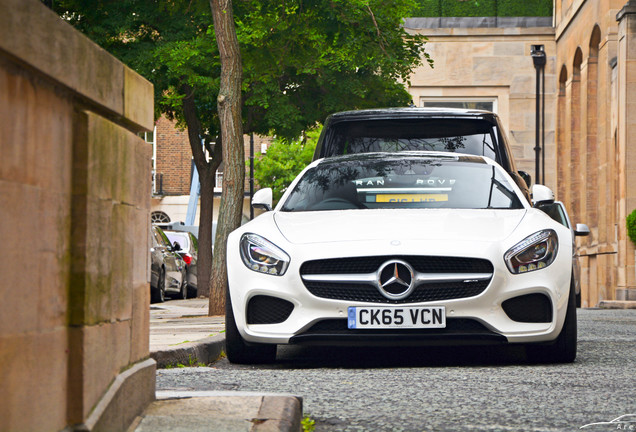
x: 74, y: 204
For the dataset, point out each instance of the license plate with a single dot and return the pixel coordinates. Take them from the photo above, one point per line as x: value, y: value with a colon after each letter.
x: 397, y: 317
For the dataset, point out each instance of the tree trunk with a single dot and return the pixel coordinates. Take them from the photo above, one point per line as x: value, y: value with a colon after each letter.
x: 229, y: 109
x: 207, y: 179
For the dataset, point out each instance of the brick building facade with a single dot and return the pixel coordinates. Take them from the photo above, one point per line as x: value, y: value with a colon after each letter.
x: 173, y: 159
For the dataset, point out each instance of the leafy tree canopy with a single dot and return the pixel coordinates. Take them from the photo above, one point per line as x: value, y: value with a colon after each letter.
x: 302, y: 59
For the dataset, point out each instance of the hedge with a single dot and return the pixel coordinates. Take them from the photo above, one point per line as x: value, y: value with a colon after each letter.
x: 631, y: 226
x: 482, y: 8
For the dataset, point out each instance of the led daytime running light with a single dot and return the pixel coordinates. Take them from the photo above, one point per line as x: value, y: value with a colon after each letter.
x: 535, y: 252
x: 262, y: 256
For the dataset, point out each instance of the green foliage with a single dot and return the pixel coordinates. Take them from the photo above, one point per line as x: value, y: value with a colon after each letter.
x: 631, y: 226
x: 283, y: 162
x: 469, y: 8
x: 530, y: 8
x: 308, y: 424
x: 481, y: 8
x: 301, y: 61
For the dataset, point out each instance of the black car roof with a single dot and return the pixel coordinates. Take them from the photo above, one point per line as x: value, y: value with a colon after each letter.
x: 412, y: 154
x: 410, y: 112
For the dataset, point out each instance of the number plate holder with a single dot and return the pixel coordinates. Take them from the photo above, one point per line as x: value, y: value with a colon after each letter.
x: 392, y: 317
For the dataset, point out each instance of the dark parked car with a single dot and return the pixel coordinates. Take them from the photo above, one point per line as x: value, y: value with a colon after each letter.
x: 167, y: 268
x: 432, y: 129
x: 185, y: 244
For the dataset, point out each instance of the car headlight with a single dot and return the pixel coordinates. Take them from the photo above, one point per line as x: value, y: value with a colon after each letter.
x: 263, y: 256
x: 533, y: 253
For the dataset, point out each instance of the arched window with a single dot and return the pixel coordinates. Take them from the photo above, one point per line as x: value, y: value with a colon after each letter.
x: 561, y: 134
x: 576, y: 183
x: 159, y: 217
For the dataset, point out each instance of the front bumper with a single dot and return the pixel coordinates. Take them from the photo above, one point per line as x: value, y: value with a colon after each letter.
x: 475, y: 320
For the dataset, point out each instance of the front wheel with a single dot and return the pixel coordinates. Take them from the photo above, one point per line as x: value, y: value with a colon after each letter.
x: 237, y: 350
x: 563, y: 350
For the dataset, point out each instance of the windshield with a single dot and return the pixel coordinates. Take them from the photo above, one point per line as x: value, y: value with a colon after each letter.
x: 469, y: 136
x: 404, y: 182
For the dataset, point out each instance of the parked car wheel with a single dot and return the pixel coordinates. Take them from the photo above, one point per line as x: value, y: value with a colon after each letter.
x: 159, y: 294
x: 183, y: 292
x: 192, y: 291
x: 563, y: 350
x: 237, y: 350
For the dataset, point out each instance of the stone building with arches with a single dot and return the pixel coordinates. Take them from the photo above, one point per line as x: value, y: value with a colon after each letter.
x: 590, y: 114
x: 596, y: 137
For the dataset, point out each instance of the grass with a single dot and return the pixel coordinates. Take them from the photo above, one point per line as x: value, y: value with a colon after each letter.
x: 192, y: 362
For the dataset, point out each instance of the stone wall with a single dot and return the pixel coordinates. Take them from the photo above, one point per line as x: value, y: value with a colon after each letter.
x: 74, y: 205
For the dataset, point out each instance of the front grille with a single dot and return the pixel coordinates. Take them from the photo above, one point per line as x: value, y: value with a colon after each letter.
x: 369, y: 293
x: 263, y: 309
x: 531, y: 308
x: 422, y: 264
x: 366, y: 292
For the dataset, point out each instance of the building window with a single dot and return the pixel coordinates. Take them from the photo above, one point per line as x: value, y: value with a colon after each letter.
x: 486, y: 104
x: 159, y: 217
x: 149, y: 137
x: 218, y: 186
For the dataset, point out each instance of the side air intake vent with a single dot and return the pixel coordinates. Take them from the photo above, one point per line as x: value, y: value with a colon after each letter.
x: 263, y: 309
x: 531, y: 308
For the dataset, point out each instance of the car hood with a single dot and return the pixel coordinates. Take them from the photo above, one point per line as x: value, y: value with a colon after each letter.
x: 397, y: 224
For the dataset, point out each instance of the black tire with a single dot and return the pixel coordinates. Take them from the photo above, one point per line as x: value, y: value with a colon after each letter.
x: 183, y: 292
x: 237, y: 350
x: 159, y: 295
x: 563, y: 350
x: 192, y: 291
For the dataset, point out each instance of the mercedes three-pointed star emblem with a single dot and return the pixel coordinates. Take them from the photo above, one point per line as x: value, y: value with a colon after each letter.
x: 395, y: 279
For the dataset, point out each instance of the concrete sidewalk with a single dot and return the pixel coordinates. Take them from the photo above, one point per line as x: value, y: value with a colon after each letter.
x: 181, y: 333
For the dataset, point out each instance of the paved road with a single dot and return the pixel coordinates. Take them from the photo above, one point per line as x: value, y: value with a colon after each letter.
x: 447, y: 390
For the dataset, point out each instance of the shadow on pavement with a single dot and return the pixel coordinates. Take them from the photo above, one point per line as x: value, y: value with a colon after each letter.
x: 310, y: 357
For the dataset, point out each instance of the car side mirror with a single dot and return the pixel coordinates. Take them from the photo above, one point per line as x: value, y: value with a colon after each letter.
x: 263, y: 199
x: 526, y: 177
x: 541, y: 195
x: 581, y: 230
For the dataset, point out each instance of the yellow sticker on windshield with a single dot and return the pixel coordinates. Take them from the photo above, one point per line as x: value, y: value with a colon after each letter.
x: 408, y: 198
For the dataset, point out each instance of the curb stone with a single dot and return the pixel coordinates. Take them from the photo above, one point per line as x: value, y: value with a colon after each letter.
x: 204, y: 351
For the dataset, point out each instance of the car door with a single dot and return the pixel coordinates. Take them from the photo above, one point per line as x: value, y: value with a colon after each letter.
x: 172, y: 261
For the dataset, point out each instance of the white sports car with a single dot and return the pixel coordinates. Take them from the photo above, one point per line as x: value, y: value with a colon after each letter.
x: 412, y: 248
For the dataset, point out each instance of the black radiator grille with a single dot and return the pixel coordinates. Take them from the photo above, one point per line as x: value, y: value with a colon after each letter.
x: 363, y: 292
x: 422, y: 264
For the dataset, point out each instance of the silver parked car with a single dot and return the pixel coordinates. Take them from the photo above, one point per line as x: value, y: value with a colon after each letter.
x: 167, y: 268
x: 186, y: 244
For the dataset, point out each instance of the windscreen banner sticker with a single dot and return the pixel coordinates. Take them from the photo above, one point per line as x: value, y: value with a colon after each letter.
x: 411, y: 198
